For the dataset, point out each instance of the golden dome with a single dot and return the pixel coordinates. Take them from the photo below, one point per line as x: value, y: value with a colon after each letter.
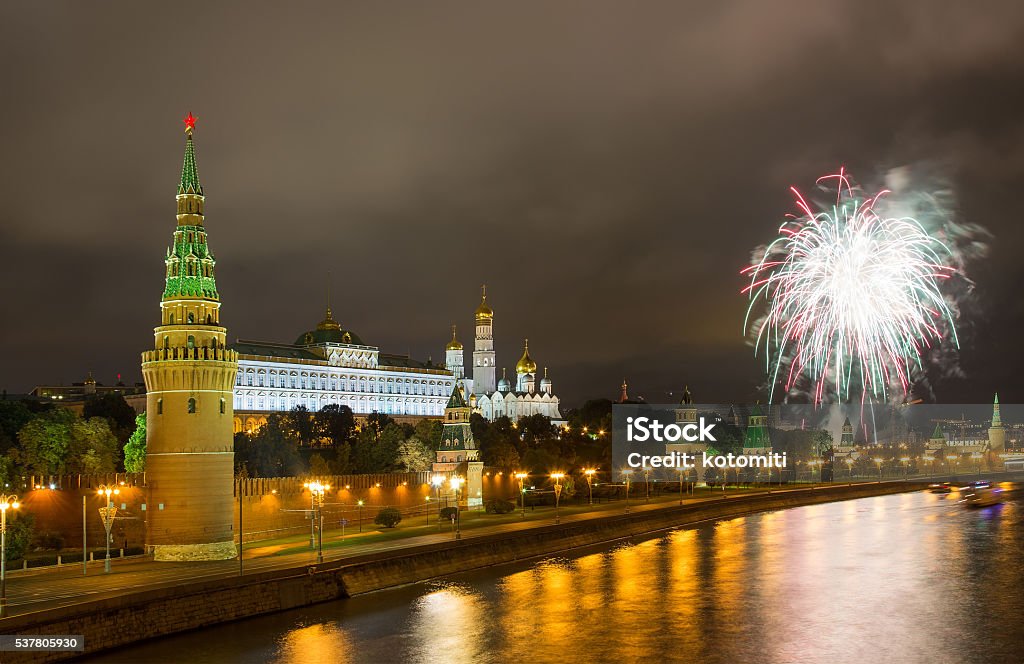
x: 328, y: 323
x: 484, y: 312
x: 526, y: 363
x: 454, y: 344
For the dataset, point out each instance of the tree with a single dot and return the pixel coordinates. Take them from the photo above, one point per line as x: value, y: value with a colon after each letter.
x: 13, y: 416
x: 299, y: 422
x: 135, y: 449
x: 44, y: 442
x: 429, y: 431
x: 318, y: 466
x: 389, y: 517
x: 413, y: 455
x: 334, y: 425
x: 375, y: 451
x: 501, y: 455
x: 115, y: 410
x: 270, y: 452
x: 93, y: 447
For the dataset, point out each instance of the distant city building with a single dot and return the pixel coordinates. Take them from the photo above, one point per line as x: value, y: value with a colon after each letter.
x: 74, y: 396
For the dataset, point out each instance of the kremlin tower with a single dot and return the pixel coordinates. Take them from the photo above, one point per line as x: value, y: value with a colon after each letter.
x: 190, y: 375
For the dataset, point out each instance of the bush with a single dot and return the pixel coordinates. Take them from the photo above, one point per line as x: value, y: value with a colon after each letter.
x: 389, y: 517
x: 19, y: 534
x: 499, y: 506
x: 448, y: 513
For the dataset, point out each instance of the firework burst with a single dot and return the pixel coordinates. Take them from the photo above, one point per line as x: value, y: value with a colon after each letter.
x: 852, y: 297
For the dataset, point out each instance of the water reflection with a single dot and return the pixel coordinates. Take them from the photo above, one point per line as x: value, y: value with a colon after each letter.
x: 909, y: 578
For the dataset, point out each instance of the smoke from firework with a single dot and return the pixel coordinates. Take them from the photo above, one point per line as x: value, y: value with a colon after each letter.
x: 861, y: 293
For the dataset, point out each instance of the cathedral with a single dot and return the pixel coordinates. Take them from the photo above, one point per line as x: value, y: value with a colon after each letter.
x: 494, y: 399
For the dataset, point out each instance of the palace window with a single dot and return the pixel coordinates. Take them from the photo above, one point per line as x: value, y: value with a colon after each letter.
x: 159, y: 406
x: 191, y: 405
x: 223, y: 406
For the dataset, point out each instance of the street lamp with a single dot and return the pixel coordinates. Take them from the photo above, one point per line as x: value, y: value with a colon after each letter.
x: 682, y: 474
x: 906, y: 467
x: 6, y: 502
x: 879, y: 461
x: 427, y: 500
x: 359, y: 503
x: 589, y: 474
x: 108, y: 513
x: 312, y: 509
x: 647, y: 484
x: 628, y: 473
x: 522, y: 490
x: 557, y: 477
x: 456, y: 483
x: 316, y: 498
x: 849, y: 469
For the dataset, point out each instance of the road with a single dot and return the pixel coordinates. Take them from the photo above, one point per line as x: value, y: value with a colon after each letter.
x: 39, y: 590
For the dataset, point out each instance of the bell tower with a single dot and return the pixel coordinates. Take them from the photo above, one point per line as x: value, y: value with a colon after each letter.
x: 190, y: 376
x: 483, y: 347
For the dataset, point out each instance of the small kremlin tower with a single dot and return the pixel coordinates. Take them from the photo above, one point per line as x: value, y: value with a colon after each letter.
x: 190, y: 375
x: 456, y: 451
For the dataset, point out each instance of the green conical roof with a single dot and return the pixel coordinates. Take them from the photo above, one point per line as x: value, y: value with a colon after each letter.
x: 456, y: 400
x: 189, y: 171
x: 937, y: 434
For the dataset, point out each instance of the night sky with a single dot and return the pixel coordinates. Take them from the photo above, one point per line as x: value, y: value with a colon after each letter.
x: 606, y: 169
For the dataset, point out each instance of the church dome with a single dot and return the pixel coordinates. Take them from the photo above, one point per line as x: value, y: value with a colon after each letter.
x: 484, y: 311
x: 454, y: 344
x: 526, y: 363
x: 503, y: 384
x: 545, y: 382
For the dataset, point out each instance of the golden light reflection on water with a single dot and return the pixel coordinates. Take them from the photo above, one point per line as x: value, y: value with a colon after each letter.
x: 909, y: 578
x: 325, y: 643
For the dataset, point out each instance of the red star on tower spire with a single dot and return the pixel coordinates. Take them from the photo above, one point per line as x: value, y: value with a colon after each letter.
x: 190, y: 123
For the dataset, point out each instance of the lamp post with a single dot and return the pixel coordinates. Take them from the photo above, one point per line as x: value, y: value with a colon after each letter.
x: 849, y: 469
x: 682, y: 474
x: 359, y: 503
x: 647, y: 484
x: 589, y: 474
x: 557, y: 477
x: 108, y: 513
x: 879, y: 461
x: 317, y: 491
x: 427, y: 500
x: 906, y: 467
x: 312, y: 511
x: 628, y: 473
x: 6, y: 502
x: 522, y: 490
x: 456, y: 483
x: 436, y: 481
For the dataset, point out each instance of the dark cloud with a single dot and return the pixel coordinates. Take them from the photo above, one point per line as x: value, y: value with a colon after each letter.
x: 605, y: 167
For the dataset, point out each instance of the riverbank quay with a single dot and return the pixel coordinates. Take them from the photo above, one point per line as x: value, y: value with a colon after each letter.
x: 137, y: 613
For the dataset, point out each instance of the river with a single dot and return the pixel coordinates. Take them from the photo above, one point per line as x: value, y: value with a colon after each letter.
x: 901, y: 578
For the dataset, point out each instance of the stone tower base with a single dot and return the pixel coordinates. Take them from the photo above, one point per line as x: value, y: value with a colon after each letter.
x: 185, y: 552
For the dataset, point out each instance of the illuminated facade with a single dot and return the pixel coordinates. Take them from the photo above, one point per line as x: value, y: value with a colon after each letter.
x: 332, y: 365
x: 493, y: 400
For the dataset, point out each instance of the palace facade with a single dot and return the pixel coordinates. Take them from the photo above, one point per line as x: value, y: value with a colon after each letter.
x: 331, y: 365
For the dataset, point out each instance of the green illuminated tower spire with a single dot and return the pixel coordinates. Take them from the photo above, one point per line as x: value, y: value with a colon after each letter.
x: 997, y: 420
x: 190, y: 264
